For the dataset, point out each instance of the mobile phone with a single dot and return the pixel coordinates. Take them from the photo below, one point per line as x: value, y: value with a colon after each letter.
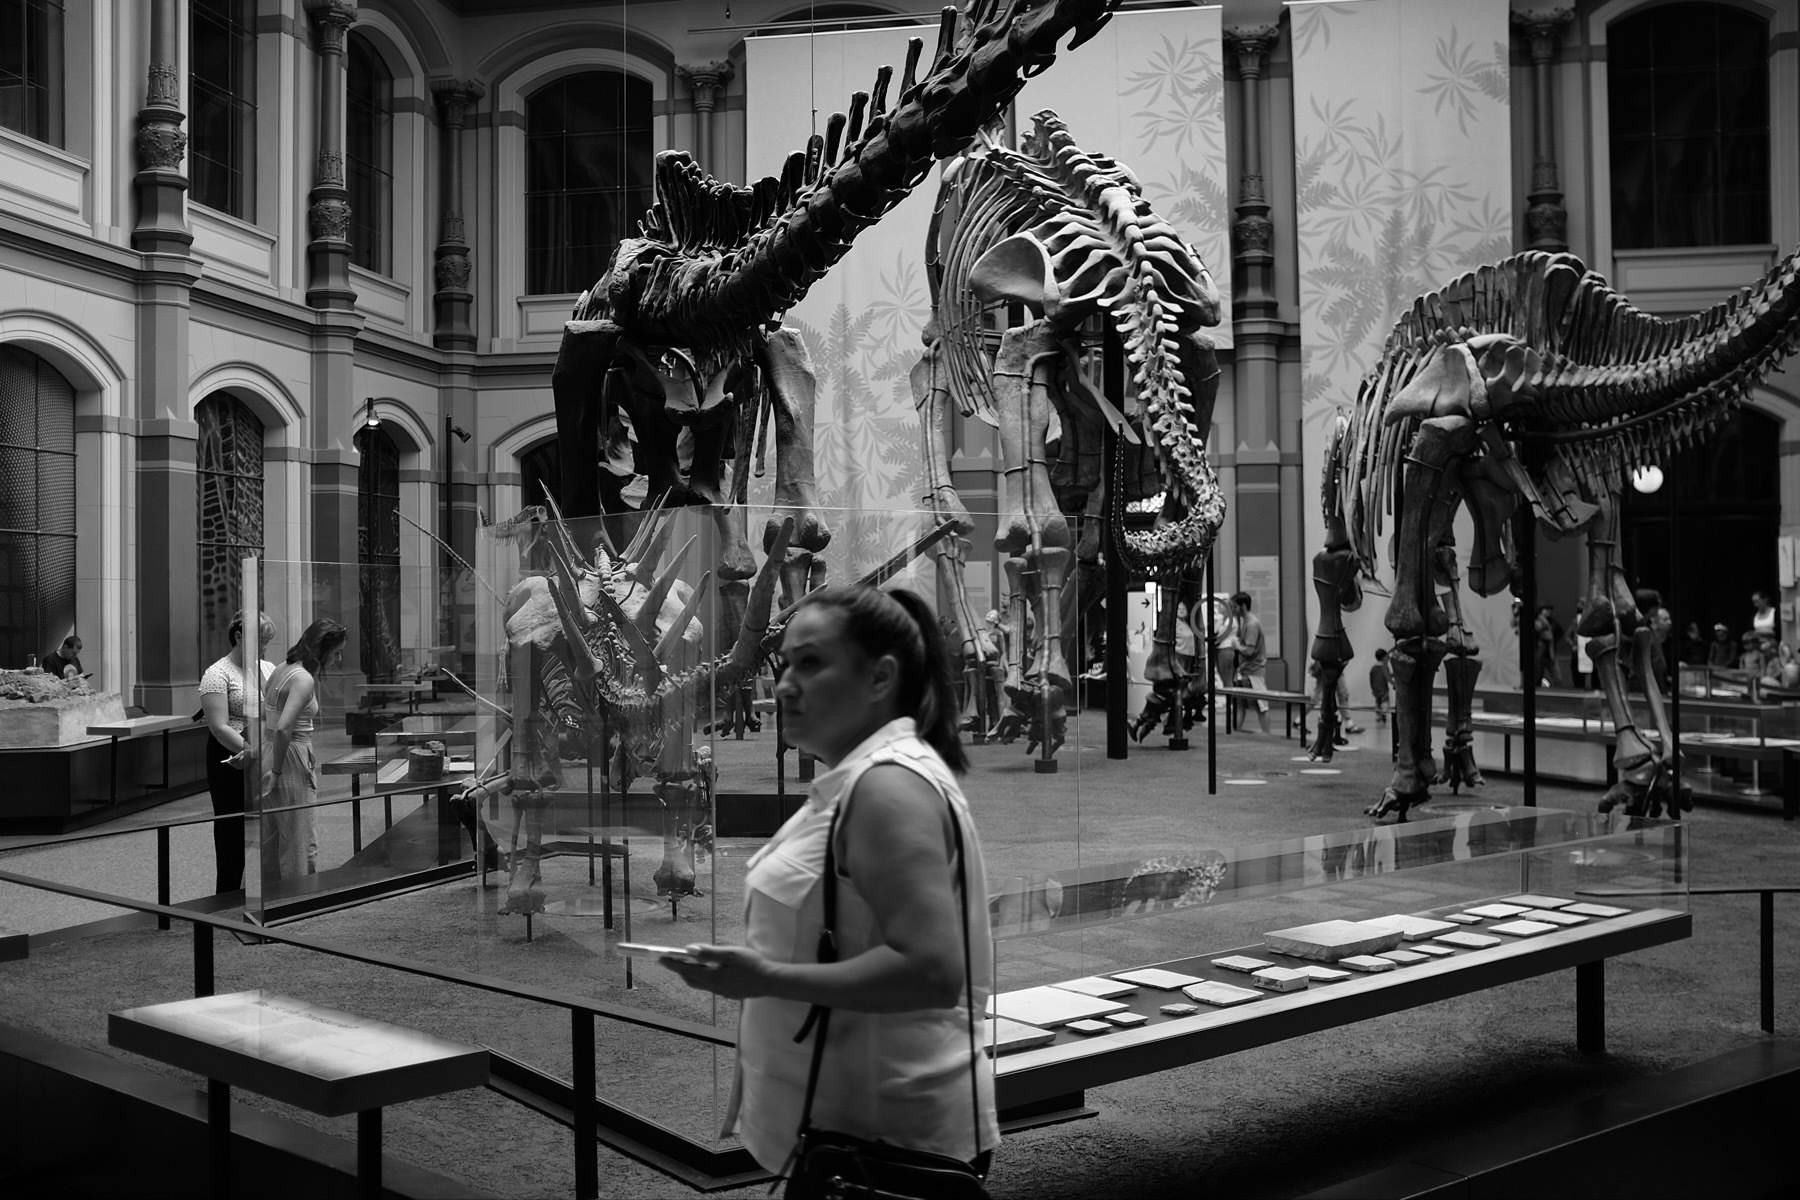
x: 644, y: 950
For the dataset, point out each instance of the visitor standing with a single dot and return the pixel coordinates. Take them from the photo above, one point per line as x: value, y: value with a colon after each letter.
x: 1548, y: 632
x: 1765, y: 621
x: 1380, y: 682
x: 290, y: 780
x: 1251, y: 647
x: 864, y: 687
x: 222, y: 704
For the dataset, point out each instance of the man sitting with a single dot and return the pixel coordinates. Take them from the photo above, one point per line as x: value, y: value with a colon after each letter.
x: 65, y: 662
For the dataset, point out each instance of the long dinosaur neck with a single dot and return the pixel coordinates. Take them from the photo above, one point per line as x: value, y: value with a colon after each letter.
x: 937, y: 117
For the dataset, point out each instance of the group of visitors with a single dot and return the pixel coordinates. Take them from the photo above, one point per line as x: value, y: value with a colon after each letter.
x: 1759, y: 650
x: 289, y: 779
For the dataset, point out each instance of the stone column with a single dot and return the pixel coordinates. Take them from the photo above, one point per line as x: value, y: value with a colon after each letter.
x: 167, y: 567
x: 1546, y: 220
x: 453, y: 301
x: 161, y: 145
x: 1252, y: 232
x: 707, y: 82
x: 328, y: 254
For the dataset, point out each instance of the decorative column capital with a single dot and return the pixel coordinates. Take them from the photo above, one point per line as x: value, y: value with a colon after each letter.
x: 706, y: 80
x: 455, y: 97
x: 1542, y: 29
x: 164, y: 90
x: 333, y: 19
x: 1251, y: 44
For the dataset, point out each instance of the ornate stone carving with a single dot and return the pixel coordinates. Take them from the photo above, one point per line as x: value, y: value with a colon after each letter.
x: 1251, y: 44
x: 329, y: 219
x: 706, y: 80
x: 453, y: 272
x: 455, y: 97
x: 329, y: 169
x: 160, y: 147
x: 1542, y: 28
x: 1254, y: 233
x: 1547, y: 225
x: 165, y: 87
x: 333, y: 19
x: 454, y: 234
x: 1250, y: 189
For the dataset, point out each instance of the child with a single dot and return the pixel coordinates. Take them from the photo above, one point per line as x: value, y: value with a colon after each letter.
x: 1378, y: 683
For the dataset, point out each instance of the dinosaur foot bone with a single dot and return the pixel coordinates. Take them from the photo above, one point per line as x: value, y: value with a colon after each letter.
x: 1396, y: 803
x: 1459, y: 764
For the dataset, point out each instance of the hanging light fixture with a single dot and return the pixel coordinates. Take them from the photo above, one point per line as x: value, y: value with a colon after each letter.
x: 1647, y: 480
x: 370, y: 419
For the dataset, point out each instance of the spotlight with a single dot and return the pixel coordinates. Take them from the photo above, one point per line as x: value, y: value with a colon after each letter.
x: 369, y: 418
x: 462, y: 435
x: 1647, y: 480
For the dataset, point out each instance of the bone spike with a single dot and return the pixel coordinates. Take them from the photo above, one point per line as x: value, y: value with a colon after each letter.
x: 566, y: 596
x: 658, y: 542
x: 643, y: 656
x: 793, y: 173
x: 671, y: 637
x: 815, y: 153
x: 645, y: 528
x: 858, y: 102
x: 878, y: 94
x: 946, y: 43
x: 658, y: 591
x: 909, y: 74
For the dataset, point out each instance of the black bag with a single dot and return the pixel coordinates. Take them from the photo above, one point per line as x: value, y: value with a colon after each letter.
x: 827, y: 1165
x: 836, y: 1166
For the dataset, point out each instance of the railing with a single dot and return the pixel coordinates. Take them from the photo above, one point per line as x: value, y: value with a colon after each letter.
x: 647, y: 1141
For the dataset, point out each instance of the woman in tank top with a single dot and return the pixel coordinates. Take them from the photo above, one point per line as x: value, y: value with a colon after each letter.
x: 866, y: 688
x: 1766, y: 621
x: 290, y: 769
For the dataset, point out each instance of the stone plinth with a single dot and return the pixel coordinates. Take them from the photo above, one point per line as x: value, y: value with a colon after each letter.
x: 38, y: 711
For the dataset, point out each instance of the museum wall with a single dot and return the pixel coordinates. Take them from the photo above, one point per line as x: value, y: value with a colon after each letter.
x: 96, y: 277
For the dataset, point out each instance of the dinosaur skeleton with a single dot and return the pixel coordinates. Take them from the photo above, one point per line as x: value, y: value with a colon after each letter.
x: 1070, y: 236
x: 1526, y: 381
x: 678, y: 348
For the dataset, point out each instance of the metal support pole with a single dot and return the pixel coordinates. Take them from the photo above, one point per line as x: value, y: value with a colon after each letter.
x: 1525, y: 538
x: 1674, y: 650
x: 1212, y: 680
x: 581, y: 1049
x: 1118, y: 669
x: 1768, y: 962
x: 1590, y: 1006
x: 368, y: 1154
x: 203, y: 959
x: 162, y: 874
x: 218, y: 1120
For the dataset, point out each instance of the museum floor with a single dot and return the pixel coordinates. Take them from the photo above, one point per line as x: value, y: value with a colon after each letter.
x: 1278, y: 1121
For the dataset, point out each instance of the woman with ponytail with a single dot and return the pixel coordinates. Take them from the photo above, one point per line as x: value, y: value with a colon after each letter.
x: 865, y: 685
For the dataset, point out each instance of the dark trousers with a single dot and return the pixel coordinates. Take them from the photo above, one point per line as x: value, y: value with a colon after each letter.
x: 227, y: 786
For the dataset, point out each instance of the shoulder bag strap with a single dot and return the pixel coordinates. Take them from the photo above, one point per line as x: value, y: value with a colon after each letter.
x: 827, y: 952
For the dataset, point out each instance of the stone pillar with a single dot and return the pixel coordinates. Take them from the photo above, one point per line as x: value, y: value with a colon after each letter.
x: 328, y: 254
x: 1546, y: 220
x: 166, y: 671
x: 707, y: 82
x: 1264, y: 486
x: 453, y: 300
x: 1252, y: 232
x: 161, y: 145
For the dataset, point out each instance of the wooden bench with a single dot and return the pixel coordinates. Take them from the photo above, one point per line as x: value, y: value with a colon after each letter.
x: 137, y: 727
x: 1292, y: 700
x: 328, y: 1062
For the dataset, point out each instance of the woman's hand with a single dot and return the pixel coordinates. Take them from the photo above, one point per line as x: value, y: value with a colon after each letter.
x: 735, y: 972
x: 241, y: 758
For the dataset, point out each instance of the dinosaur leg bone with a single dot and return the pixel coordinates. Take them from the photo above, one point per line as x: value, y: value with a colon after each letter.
x: 793, y: 391
x: 1414, y: 617
x: 1462, y: 668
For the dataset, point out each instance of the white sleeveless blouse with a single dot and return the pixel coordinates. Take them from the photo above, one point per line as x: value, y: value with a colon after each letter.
x: 902, y: 1078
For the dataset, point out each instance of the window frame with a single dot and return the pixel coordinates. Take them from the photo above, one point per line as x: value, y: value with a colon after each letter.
x: 235, y: 160
x: 250, y: 429
x: 626, y: 200
x: 48, y: 82
x: 370, y: 179
x: 44, y: 629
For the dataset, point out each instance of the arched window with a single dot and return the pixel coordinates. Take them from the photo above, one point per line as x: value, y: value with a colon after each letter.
x: 230, y: 490
x: 222, y: 94
x: 540, y: 469
x: 1688, y: 97
x: 378, y: 551
x: 588, y: 161
x: 37, y: 507
x: 369, y: 156
x: 31, y: 68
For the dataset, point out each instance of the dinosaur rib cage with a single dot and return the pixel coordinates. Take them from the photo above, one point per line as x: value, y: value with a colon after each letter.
x: 1617, y: 388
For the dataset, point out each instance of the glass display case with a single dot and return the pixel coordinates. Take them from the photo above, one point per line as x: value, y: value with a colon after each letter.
x: 1104, y: 971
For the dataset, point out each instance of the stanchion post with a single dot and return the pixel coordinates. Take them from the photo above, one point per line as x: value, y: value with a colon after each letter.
x: 1212, y: 680
x: 1768, y: 962
x: 581, y: 1049
x: 162, y: 874
x: 203, y: 959
x: 1525, y: 538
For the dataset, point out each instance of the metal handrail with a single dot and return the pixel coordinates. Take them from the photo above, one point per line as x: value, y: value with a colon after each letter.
x: 582, y: 1010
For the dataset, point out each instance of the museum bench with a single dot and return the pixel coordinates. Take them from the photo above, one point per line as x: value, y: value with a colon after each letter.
x: 327, y: 1062
x: 1295, y: 702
